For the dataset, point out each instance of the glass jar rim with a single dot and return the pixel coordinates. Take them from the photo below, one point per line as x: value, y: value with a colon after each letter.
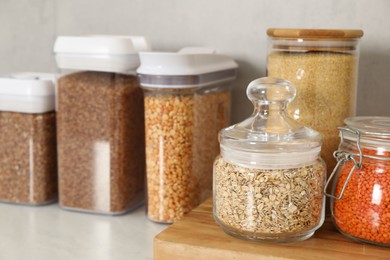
x: 374, y: 131
x: 270, y: 160
x: 370, y: 125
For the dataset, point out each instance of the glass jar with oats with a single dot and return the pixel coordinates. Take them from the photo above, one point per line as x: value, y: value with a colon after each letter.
x: 187, y: 102
x: 28, y: 156
x: 269, y: 177
x: 101, y: 152
x: 323, y: 65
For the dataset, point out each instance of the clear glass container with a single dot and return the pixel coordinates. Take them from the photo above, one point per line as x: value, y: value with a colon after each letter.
x: 101, y: 149
x: 269, y: 178
x: 184, y: 111
x: 28, y: 156
x: 323, y: 66
x: 360, y: 199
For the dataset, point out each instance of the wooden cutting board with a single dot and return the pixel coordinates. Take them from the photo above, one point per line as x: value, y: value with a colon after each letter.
x: 197, y: 236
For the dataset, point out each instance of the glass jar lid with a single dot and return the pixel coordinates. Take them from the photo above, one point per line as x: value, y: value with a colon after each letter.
x: 372, y: 131
x: 269, y: 138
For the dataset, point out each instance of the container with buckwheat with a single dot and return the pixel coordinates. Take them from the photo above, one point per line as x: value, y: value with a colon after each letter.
x: 28, y: 158
x: 101, y: 152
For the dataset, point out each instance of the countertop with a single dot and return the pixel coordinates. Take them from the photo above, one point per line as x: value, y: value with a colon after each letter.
x: 49, y: 232
x: 198, y: 236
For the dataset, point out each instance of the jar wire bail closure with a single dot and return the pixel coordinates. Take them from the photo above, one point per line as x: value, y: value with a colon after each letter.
x: 342, y: 157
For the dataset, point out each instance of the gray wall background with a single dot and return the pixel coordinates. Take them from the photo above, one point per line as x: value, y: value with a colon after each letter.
x: 29, y: 27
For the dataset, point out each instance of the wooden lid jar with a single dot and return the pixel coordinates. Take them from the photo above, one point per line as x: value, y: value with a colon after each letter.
x: 323, y: 65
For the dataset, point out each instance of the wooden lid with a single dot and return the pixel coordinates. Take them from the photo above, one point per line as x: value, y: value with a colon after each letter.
x: 314, y: 33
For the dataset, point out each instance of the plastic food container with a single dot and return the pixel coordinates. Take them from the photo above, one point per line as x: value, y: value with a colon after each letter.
x: 323, y: 65
x: 360, y: 199
x: 187, y: 101
x: 269, y: 178
x: 28, y: 163
x: 100, y: 124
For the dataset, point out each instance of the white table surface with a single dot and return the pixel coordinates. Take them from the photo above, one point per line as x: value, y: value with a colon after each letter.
x: 49, y: 232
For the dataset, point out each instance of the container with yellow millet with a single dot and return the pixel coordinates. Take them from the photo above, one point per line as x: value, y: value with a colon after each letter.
x: 323, y: 65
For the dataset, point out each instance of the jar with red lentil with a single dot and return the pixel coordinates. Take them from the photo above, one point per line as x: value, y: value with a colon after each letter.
x: 187, y: 102
x: 360, y: 199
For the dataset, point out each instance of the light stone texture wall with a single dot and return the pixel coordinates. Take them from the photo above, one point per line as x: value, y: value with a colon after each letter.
x: 28, y: 29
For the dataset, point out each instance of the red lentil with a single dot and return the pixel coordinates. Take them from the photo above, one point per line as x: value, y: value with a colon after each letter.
x: 363, y: 212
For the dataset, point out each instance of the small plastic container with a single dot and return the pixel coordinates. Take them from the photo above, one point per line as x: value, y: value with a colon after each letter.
x: 269, y: 178
x: 187, y: 101
x: 360, y: 199
x: 323, y: 66
x: 101, y: 148
x: 28, y: 154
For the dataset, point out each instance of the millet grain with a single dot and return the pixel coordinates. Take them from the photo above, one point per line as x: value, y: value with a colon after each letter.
x: 326, y: 93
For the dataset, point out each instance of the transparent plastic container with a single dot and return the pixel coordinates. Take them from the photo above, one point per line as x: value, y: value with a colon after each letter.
x: 360, y: 199
x: 323, y: 66
x: 28, y: 160
x: 187, y: 102
x: 100, y: 124
x: 269, y: 178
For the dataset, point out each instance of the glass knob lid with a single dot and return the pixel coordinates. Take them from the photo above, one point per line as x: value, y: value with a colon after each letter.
x: 270, y: 97
x: 270, y: 129
x: 270, y: 91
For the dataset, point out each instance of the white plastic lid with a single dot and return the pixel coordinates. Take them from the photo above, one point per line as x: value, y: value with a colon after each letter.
x: 27, y: 92
x: 110, y: 53
x: 189, y: 67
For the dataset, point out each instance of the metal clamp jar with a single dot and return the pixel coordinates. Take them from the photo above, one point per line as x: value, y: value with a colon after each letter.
x: 187, y: 102
x: 360, y: 199
x: 323, y: 65
x: 269, y: 178
x: 101, y: 150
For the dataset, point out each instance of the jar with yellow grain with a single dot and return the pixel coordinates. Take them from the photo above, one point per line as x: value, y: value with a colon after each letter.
x: 323, y: 65
x: 187, y: 102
